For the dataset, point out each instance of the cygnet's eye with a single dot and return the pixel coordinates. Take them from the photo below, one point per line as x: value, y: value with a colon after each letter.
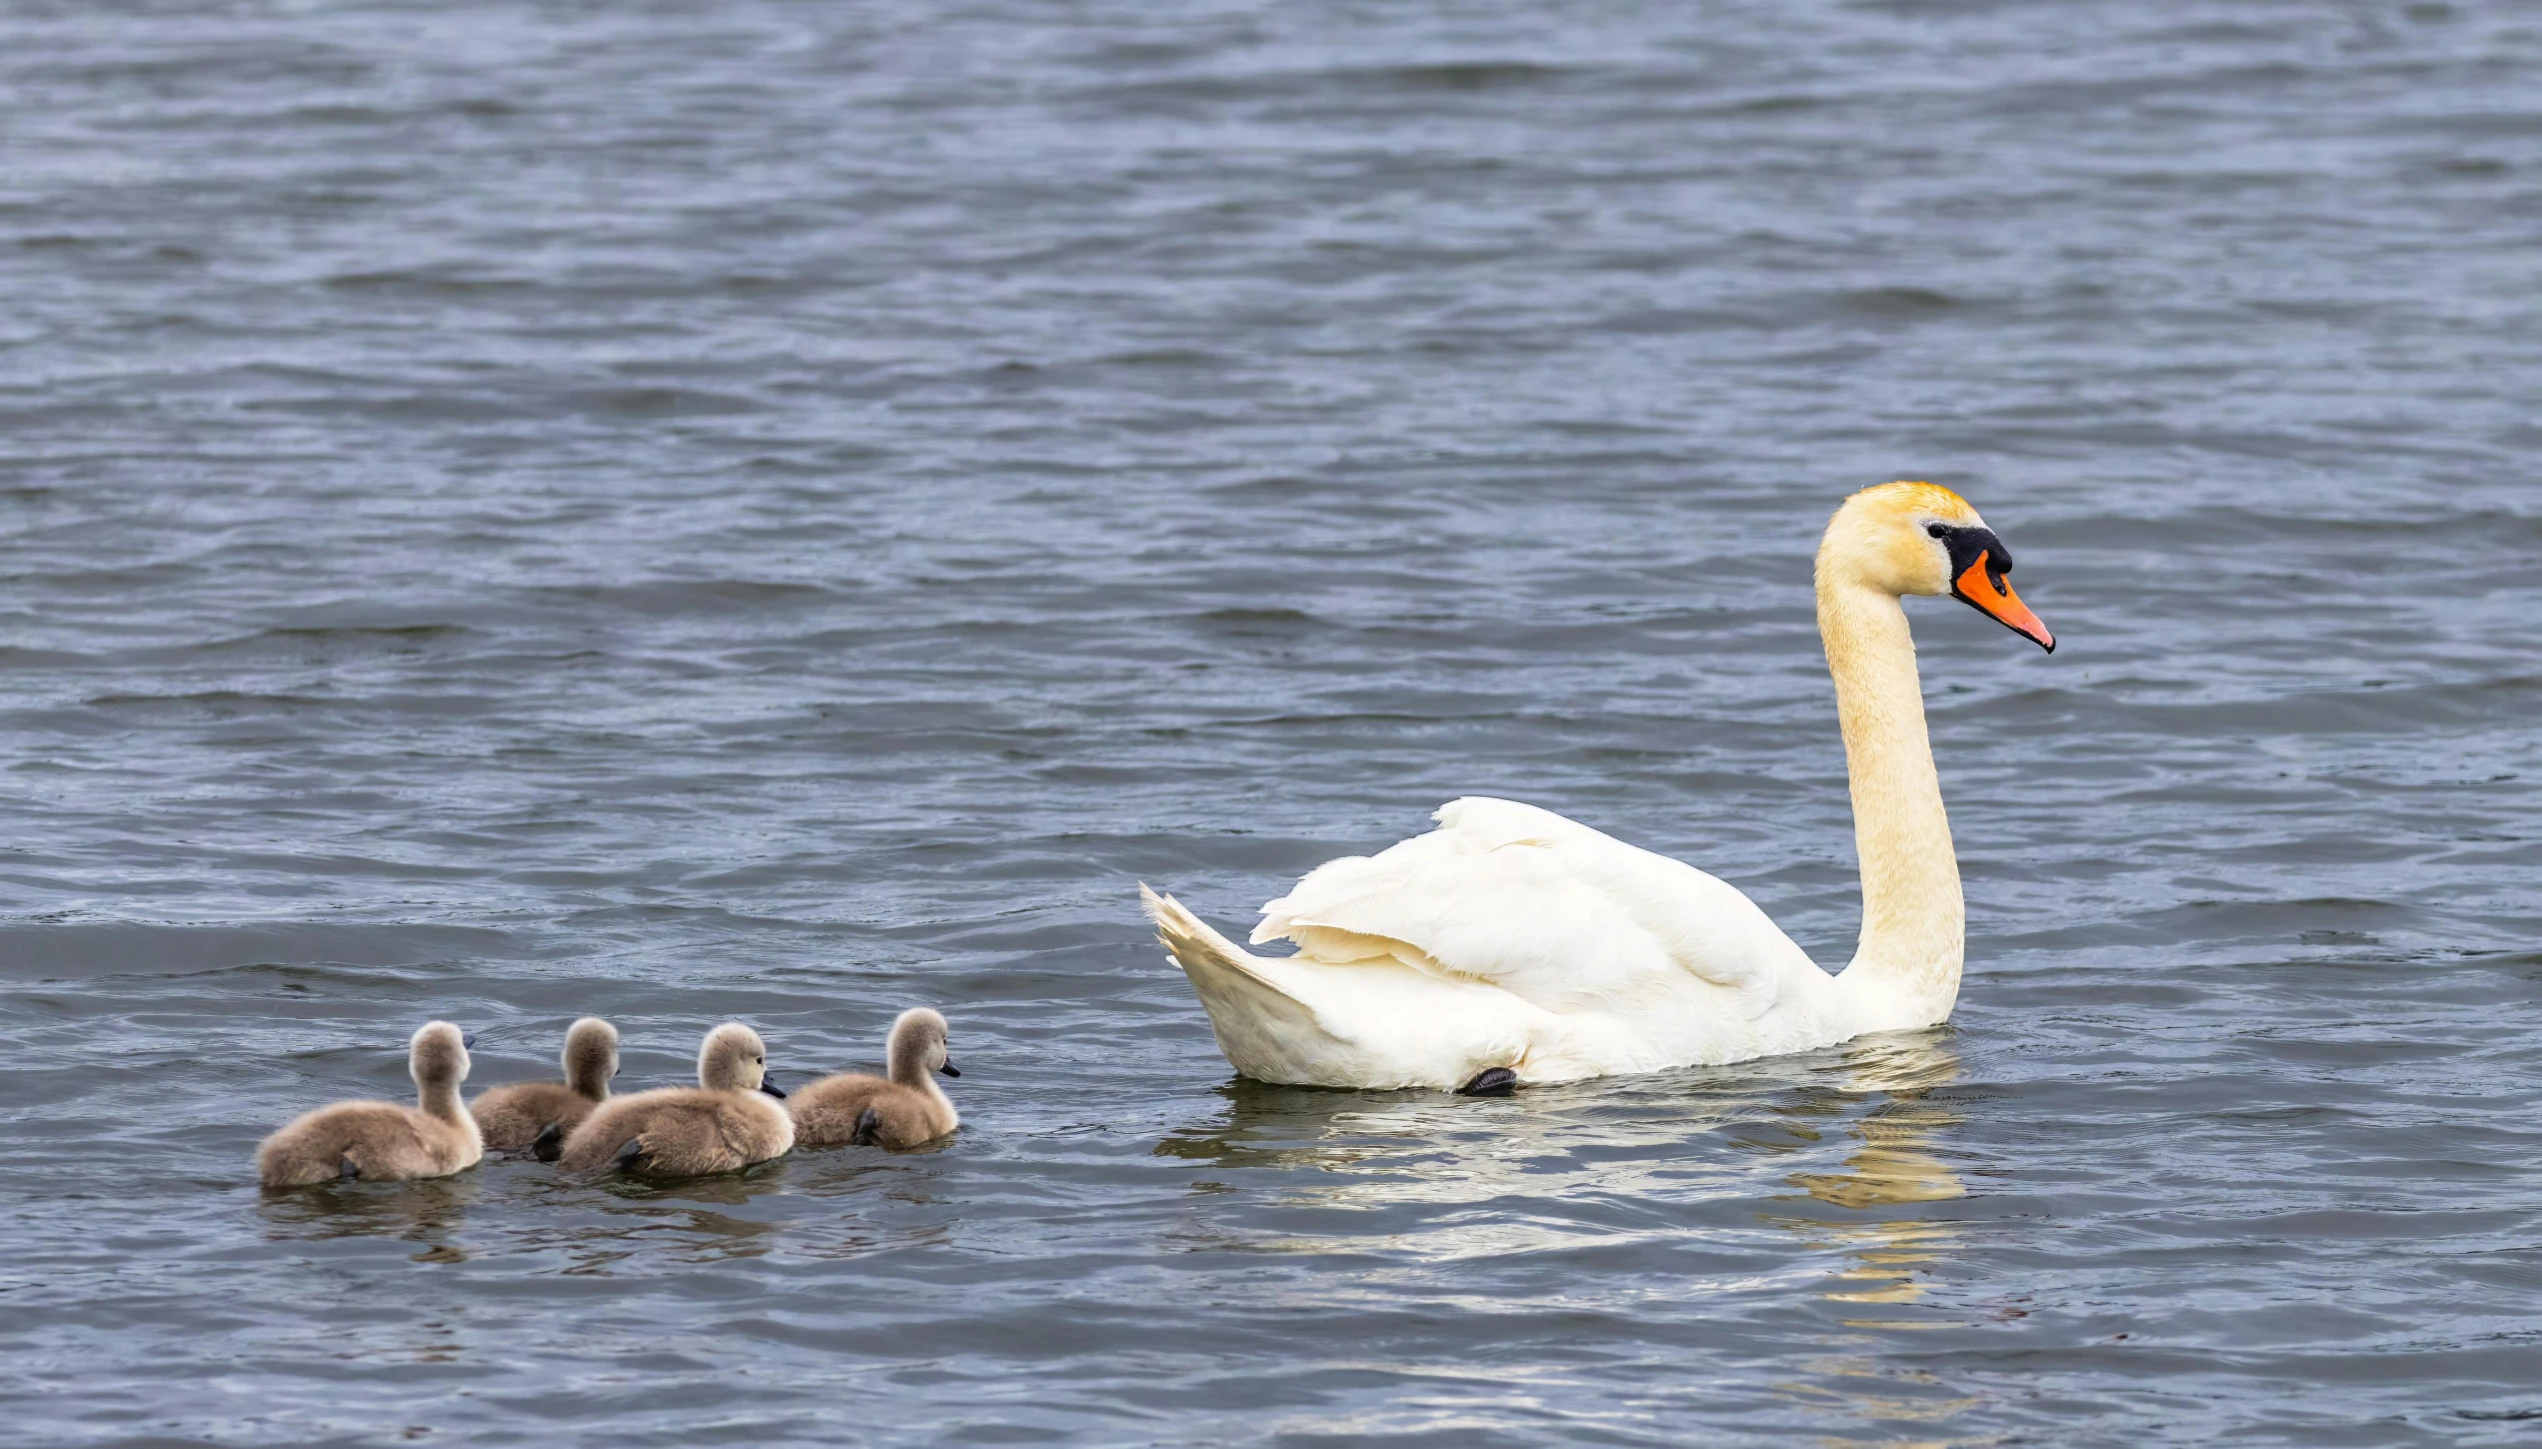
x: 1937, y: 530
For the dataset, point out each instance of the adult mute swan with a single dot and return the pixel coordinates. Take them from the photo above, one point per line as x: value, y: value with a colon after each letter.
x: 1512, y: 945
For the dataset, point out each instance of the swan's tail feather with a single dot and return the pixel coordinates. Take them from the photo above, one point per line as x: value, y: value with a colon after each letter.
x: 1250, y: 1012
x: 1196, y: 945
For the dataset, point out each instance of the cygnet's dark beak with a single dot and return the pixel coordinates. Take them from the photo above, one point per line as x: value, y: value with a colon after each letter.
x: 467, y: 1041
x: 770, y: 1088
x: 948, y: 1070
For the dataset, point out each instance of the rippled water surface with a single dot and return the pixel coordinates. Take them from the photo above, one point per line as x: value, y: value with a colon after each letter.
x: 789, y: 511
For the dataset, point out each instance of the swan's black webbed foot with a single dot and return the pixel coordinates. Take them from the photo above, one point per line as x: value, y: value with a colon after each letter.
x: 549, y: 1144
x: 631, y: 1155
x: 869, y: 1125
x: 345, y: 1171
x: 1491, y: 1082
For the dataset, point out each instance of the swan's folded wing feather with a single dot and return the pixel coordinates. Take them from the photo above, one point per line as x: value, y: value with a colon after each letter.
x: 1543, y: 907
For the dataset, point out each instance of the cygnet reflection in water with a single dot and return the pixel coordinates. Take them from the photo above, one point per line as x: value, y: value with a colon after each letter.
x: 685, y: 1221
x: 427, y: 1211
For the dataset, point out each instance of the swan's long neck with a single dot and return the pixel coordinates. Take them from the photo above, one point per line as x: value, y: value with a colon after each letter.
x: 1908, y: 962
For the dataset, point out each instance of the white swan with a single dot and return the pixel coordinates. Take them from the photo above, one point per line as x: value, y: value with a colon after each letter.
x: 1512, y: 945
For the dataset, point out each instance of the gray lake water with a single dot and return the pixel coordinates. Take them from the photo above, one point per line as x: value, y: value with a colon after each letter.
x: 788, y: 511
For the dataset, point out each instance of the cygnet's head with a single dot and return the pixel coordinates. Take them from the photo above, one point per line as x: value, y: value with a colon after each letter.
x: 921, y: 1040
x: 437, y: 1055
x: 591, y: 1056
x: 734, y: 1060
x: 1921, y: 538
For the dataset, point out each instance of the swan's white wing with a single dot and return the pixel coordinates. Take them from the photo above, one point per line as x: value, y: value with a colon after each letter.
x: 1543, y: 907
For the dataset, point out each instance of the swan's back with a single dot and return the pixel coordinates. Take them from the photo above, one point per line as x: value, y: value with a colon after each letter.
x: 1563, y: 916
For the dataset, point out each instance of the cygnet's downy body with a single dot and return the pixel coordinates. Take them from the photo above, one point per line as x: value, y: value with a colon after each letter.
x: 906, y: 1109
x: 382, y: 1141
x: 516, y: 1117
x: 731, y: 1119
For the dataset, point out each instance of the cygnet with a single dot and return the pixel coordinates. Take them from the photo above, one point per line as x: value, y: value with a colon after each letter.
x: 729, y: 1121
x: 906, y: 1109
x: 382, y: 1141
x: 539, y: 1115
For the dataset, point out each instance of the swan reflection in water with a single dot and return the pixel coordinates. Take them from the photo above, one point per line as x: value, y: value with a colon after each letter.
x: 1837, y: 1149
x: 1891, y: 1167
x: 1655, y: 1139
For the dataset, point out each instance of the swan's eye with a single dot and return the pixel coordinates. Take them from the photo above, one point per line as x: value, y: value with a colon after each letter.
x: 1937, y: 530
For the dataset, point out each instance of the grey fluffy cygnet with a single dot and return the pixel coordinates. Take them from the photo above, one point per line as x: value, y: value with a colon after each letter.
x: 542, y: 1114
x: 382, y: 1141
x: 906, y: 1109
x: 730, y: 1120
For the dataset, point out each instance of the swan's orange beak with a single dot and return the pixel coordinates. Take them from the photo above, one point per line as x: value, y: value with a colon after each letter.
x: 1983, y: 584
